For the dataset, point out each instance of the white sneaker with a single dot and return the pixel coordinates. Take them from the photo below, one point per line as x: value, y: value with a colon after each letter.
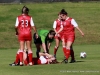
x: 30, y: 64
x: 21, y: 64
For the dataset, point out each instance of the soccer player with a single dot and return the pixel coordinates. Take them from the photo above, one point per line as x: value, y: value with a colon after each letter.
x: 44, y: 39
x: 24, y: 25
x: 68, y: 36
x: 44, y: 58
x: 57, y: 26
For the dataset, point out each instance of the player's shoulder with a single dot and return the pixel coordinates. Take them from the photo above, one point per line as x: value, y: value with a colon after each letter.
x: 57, y: 20
x: 70, y: 18
x: 24, y: 15
x: 44, y: 30
x: 19, y: 15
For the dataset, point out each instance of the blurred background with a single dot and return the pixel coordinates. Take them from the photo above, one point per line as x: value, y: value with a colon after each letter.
x: 24, y: 1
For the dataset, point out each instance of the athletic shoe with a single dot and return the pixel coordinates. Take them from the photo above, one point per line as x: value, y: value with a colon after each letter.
x: 13, y: 64
x: 55, y: 56
x: 30, y: 64
x: 65, y: 61
x: 21, y: 64
x: 72, y: 61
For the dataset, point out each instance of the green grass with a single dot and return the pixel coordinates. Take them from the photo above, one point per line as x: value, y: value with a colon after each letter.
x: 87, y: 66
x: 85, y: 14
x: 44, y: 14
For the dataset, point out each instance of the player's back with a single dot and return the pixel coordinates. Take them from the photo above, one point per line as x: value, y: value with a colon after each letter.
x: 43, y: 32
x: 24, y: 23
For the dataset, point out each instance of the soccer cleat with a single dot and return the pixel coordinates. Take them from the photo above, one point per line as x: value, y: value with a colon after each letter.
x: 30, y: 64
x: 55, y: 56
x: 72, y: 61
x: 21, y: 64
x: 13, y: 64
x: 65, y: 61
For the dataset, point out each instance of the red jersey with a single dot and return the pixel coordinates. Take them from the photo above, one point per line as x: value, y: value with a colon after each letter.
x: 68, y: 28
x: 24, y: 27
x: 57, y: 25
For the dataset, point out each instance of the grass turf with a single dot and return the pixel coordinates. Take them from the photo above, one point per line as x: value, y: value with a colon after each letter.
x: 86, y: 15
x: 86, y: 66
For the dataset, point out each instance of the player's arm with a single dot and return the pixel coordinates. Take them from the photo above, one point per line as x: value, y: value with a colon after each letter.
x: 61, y: 28
x: 45, y: 54
x: 33, y: 26
x: 16, y: 26
x: 80, y: 30
x: 44, y: 47
x: 54, y: 26
x: 16, y: 30
x: 73, y: 22
x: 49, y: 44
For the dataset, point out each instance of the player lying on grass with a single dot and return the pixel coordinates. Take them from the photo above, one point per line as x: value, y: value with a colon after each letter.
x: 44, y: 58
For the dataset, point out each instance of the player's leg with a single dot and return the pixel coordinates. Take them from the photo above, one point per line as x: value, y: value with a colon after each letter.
x: 30, y: 53
x: 68, y: 50
x: 16, y: 62
x: 72, y: 55
x: 64, y: 50
x: 17, y: 58
x: 56, y: 47
x: 38, y: 47
x: 21, y: 52
x: 37, y: 42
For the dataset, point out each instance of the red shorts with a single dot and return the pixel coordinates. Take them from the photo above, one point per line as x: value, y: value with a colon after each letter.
x: 67, y: 38
x: 58, y: 37
x: 25, y: 37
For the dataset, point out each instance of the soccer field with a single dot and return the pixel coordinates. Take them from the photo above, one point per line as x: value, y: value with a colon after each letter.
x: 86, y: 15
x: 86, y: 66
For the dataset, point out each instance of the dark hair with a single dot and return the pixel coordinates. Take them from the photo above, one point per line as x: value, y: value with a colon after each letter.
x: 52, y: 32
x: 25, y: 10
x: 63, y: 12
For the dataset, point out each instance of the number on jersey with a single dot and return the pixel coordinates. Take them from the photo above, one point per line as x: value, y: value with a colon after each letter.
x: 24, y: 23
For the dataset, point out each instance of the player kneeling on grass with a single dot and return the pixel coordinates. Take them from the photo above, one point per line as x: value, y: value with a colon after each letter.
x: 43, y: 39
x: 44, y: 58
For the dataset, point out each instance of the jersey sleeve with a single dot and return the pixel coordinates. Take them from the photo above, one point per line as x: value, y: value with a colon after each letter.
x: 73, y: 22
x: 17, y: 22
x: 54, y: 24
x: 43, y: 39
x: 32, y: 23
x: 43, y: 60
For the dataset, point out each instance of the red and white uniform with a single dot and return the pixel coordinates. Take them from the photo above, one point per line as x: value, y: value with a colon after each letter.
x: 37, y: 61
x: 57, y: 25
x: 68, y: 32
x: 43, y: 60
x: 24, y: 24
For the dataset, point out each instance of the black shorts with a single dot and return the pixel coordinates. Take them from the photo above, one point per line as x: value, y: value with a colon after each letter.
x: 36, y: 40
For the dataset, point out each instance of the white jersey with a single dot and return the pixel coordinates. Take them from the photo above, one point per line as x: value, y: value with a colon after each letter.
x: 43, y: 60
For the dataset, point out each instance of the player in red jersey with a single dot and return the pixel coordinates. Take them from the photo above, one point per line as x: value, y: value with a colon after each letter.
x: 57, y: 26
x: 68, y: 35
x: 44, y: 58
x: 24, y: 25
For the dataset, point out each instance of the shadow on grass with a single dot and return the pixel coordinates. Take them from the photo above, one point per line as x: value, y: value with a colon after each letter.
x: 79, y: 61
